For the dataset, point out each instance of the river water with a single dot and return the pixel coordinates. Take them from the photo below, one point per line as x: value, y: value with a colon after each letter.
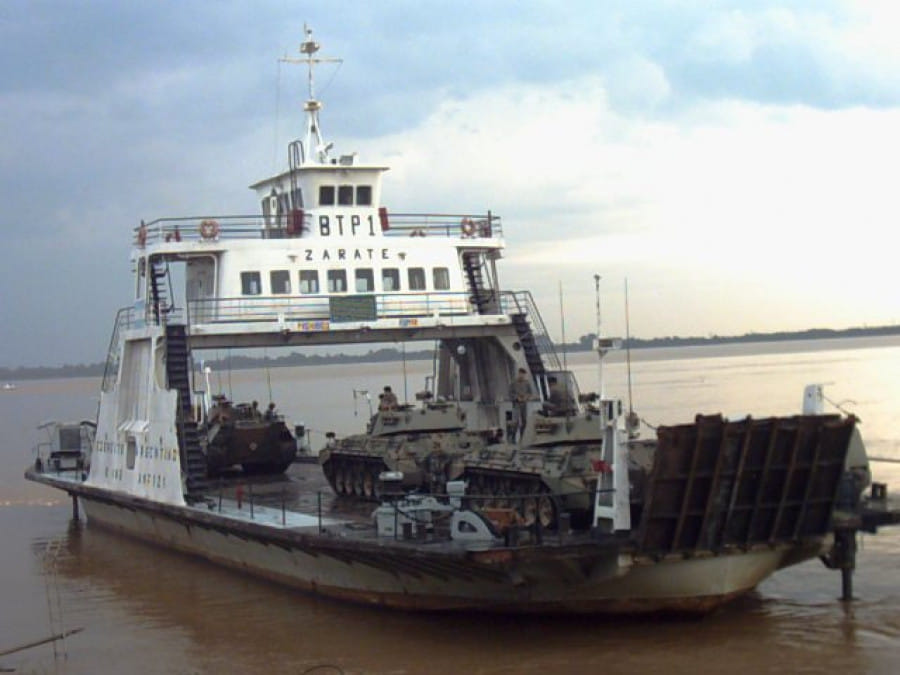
x: 146, y: 610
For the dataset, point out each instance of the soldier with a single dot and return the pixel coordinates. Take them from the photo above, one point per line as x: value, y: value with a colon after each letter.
x: 556, y: 403
x: 520, y: 392
x: 388, y: 400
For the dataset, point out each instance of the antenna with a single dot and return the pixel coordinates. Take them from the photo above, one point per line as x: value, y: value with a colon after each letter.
x: 562, y: 325
x: 633, y: 421
x: 316, y: 144
x: 597, y: 278
x: 405, y: 379
x: 268, y: 374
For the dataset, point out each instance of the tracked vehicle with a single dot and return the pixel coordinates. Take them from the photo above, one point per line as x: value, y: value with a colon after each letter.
x: 553, y: 470
x: 427, y: 444
x: 240, y: 436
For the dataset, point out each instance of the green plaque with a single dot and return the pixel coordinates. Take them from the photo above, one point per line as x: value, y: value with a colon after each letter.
x: 346, y: 308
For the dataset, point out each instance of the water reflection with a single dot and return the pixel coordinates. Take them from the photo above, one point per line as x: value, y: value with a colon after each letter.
x: 159, y: 611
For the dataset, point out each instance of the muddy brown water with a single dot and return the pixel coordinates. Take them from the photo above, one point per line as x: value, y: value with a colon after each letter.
x: 147, y: 610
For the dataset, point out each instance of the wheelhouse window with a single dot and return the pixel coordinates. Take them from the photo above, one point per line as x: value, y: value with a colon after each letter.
x: 309, y: 282
x: 250, y: 283
x: 326, y: 195
x: 363, y: 195
x: 280, y: 281
x: 337, y: 281
x: 365, y: 280
x: 441, y: 277
x: 345, y: 195
x: 390, y: 279
x: 416, y: 278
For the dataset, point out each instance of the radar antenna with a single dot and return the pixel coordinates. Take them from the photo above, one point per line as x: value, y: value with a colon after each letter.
x: 318, y: 148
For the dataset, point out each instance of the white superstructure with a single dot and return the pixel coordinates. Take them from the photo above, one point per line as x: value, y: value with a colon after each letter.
x: 324, y: 261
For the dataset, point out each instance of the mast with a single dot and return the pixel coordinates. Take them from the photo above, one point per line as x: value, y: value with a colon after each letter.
x: 600, y: 353
x: 315, y: 144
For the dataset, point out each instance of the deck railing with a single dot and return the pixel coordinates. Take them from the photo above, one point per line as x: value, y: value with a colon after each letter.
x: 333, y: 308
x: 317, y: 308
x: 229, y: 227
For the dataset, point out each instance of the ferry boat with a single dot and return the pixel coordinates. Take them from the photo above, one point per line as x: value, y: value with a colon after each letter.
x: 683, y: 522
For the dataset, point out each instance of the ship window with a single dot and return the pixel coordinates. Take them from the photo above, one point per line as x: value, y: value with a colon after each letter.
x: 365, y: 280
x: 130, y: 451
x: 250, y: 283
x: 326, y: 195
x: 309, y: 281
x: 281, y: 282
x: 441, y: 279
x: 416, y: 278
x: 390, y: 279
x: 345, y: 195
x: 337, y: 281
x: 363, y: 195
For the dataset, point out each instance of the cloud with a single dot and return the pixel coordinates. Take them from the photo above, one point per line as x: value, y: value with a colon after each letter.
x: 625, y: 138
x: 789, y: 202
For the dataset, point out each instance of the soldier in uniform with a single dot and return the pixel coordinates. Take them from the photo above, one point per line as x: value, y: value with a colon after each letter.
x: 520, y: 392
x: 388, y: 400
x: 558, y: 400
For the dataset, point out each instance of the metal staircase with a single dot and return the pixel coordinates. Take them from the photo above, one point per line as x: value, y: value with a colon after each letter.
x: 537, y: 346
x: 159, y: 280
x: 483, y: 298
x: 178, y: 367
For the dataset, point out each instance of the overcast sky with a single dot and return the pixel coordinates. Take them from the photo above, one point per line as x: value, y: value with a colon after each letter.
x: 736, y: 161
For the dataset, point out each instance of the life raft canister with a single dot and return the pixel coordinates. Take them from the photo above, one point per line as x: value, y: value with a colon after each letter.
x: 209, y: 229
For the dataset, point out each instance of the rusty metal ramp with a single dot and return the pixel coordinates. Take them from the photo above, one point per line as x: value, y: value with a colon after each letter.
x: 718, y: 484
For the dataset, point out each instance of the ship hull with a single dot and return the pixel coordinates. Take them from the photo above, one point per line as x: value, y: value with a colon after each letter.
x: 586, y: 579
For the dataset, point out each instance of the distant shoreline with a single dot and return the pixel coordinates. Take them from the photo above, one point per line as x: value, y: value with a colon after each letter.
x: 584, y: 344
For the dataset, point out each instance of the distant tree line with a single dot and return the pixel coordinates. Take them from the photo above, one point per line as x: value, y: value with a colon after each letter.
x: 388, y: 354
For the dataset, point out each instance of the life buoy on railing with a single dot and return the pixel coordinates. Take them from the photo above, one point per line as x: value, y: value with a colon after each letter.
x: 209, y: 229
x: 142, y: 235
x: 467, y: 227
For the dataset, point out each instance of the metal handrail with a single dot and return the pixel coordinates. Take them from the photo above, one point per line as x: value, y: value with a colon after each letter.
x: 318, y: 307
x: 124, y: 319
x: 192, y: 228
x: 522, y: 302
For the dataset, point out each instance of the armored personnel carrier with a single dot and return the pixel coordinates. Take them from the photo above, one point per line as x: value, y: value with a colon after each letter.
x: 241, y: 435
x: 426, y: 443
x: 552, y: 470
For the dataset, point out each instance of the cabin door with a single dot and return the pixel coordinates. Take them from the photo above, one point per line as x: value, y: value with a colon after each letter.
x: 201, y: 289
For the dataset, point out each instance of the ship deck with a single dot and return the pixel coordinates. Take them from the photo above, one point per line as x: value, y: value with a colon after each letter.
x: 301, y: 503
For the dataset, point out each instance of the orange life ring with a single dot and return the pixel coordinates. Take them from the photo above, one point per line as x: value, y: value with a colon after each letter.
x: 209, y: 229
x: 467, y: 227
x: 142, y: 235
